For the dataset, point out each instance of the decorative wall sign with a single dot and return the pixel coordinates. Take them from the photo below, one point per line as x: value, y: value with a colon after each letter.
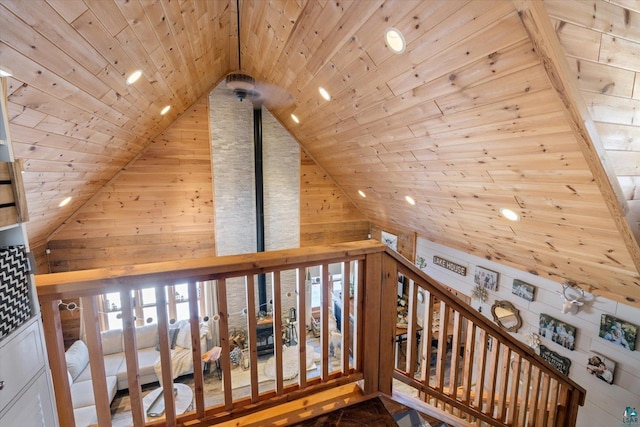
x: 523, y: 289
x: 618, y: 332
x: 601, y: 367
x: 561, y: 363
x: 557, y: 331
x: 449, y: 265
x: 486, y: 278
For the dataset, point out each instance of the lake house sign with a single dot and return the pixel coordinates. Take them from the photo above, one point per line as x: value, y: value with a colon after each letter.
x: 444, y: 263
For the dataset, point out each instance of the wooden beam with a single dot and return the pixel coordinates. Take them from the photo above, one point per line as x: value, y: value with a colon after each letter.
x: 545, y: 41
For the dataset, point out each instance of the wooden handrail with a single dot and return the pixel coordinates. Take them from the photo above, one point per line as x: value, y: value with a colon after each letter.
x: 541, y: 392
x: 88, y: 284
x: 510, y: 385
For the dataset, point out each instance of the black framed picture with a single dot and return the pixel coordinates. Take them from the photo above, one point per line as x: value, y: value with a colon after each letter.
x: 618, y: 332
x: 557, y: 331
x: 523, y: 289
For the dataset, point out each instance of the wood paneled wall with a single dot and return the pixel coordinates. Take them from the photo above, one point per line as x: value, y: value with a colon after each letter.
x: 326, y: 214
x: 159, y: 207
x: 406, y: 238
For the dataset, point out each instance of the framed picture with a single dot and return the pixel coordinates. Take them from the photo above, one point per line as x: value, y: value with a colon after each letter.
x: 486, y: 278
x: 601, y: 367
x: 523, y: 289
x: 390, y: 240
x: 618, y: 332
x: 559, y: 332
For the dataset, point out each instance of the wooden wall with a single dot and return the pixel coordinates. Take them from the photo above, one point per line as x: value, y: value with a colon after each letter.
x: 159, y: 207
x: 326, y: 214
x: 406, y: 238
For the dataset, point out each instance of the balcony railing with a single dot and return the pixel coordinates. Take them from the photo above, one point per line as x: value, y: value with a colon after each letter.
x: 497, y: 387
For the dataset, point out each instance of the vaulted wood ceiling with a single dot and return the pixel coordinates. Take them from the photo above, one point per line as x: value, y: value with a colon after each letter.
x: 485, y: 109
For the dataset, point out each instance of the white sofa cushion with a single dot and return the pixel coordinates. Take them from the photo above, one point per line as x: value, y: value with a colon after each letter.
x: 112, y: 341
x: 184, y: 335
x: 82, y: 392
x: 77, y: 358
x: 146, y: 336
x: 112, y: 364
x: 85, y: 416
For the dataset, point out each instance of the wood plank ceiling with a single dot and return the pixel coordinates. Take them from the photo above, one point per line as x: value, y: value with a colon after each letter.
x: 469, y: 119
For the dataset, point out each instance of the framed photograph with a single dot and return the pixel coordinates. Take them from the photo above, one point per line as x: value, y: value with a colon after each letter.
x: 559, y: 332
x: 523, y: 289
x: 618, y: 332
x: 601, y: 367
x: 486, y: 278
x: 390, y: 240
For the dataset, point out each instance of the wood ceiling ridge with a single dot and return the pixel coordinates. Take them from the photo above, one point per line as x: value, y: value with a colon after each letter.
x: 538, y: 25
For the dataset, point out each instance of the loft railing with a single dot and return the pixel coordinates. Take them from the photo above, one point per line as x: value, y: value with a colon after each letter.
x: 468, y: 367
x: 494, y: 387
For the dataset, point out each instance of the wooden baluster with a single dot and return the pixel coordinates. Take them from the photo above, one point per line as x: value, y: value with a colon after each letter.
x: 202, y: 301
x: 346, y: 313
x: 52, y: 326
x: 324, y: 321
x: 572, y: 412
x: 171, y: 302
x: 512, y: 413
x: 505, y: 366
x: 533, y: 401
x: 137, y: 307
x: 165, y: 356
x: 276, y: 295
x: 225, y: 363
x: 131, y: 359
x: 302, y: 328
x: 553, y: 401
x: 91, y: 320
x: 561, y: 408
x: 479, y: 401
x: 442, y: 349
x: 412, y: 330
x: 387, y: 317
x: 427, y: 327
x: 194, y: 319
x: 469, y: 359
x: 358, y: 306
x: 455, y: 357
x: 493, y: 376
x: 252, y: 335
x: 543, y: 401
x: 524, y: 400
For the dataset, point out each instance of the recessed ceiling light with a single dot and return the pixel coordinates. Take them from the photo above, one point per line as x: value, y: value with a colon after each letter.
x: 509, y: 214
x: 410, y: 200
x: 5, y: 72
x: 295, y: 118
x: 64, y: 202
x: 165, y: 110
x: 361, y: 193
x: 324, y: 93
x: 133, y: 77
x: 395, y: 40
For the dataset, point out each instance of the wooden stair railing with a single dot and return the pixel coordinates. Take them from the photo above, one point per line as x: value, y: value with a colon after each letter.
x: 361, y: 363
x: 483, y: 375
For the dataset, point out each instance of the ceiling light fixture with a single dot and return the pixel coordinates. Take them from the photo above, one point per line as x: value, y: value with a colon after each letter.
x: 165, y: 110
x: 509, y: 214
x: 64, y: 202
x: 5, y: 72
x: 395, y: 40
x: 410, y: 200
x: 324, y: 93
x: 133, y: 77
x: 361, y: 193
x: 295, y: 118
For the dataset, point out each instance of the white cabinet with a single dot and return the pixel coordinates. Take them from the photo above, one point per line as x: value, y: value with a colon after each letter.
x: 26, y: 396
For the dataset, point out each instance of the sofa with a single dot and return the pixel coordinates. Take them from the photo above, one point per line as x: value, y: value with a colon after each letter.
x: 115, y: 366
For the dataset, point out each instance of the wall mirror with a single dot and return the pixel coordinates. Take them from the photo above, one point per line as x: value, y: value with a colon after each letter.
x: 506, y: 316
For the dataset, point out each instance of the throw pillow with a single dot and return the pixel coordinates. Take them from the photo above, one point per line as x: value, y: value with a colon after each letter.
x: 77, y: 358
x: 173, y: 334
